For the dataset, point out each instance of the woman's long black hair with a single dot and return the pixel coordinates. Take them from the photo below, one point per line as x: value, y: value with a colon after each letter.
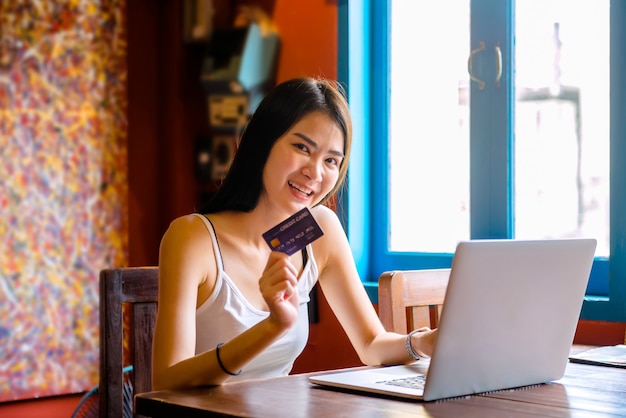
x: 284, y: 106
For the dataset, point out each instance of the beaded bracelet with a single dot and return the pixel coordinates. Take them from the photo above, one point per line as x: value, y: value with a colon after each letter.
x: 409, y: 347
x: 219, y: 361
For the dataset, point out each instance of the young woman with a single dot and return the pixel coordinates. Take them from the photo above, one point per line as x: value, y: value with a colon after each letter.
x: 231, y: 309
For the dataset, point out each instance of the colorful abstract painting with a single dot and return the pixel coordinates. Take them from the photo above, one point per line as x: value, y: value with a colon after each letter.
x: 63, y: 187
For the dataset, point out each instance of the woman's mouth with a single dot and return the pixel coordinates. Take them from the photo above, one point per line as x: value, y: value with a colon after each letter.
x: 300, y: 189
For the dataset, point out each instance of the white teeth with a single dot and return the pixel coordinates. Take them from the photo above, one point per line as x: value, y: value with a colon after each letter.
x: 306, y: 192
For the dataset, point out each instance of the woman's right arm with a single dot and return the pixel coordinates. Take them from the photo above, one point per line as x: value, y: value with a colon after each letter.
x: 183, y: 266
x: 181, y: 271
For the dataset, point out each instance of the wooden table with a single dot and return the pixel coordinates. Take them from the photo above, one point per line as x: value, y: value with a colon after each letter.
x: 589, y: 391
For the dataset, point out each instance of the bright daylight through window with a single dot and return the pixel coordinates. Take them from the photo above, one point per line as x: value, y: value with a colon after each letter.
x: 560, y: 132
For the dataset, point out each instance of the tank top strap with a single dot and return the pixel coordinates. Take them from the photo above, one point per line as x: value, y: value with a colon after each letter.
x: 216, y: 245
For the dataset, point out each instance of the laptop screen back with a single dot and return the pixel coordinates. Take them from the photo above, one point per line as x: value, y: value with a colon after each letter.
x: 510, y: 314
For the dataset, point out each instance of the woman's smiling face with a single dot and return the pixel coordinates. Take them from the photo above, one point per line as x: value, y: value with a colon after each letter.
x: 303, y: 165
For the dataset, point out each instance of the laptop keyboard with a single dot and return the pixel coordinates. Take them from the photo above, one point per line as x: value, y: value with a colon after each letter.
x: 415, y: 382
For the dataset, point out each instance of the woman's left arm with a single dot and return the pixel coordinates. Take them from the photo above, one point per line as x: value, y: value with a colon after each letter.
x: 346, y: 295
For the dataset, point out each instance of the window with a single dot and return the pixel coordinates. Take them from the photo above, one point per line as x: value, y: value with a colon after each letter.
x: 526, y: 147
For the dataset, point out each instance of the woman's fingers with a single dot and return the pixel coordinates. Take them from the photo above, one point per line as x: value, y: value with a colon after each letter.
x: 279, y: 272
x: 278, y: 286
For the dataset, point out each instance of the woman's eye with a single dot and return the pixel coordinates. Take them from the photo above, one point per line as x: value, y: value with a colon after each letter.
x: 332, y: 161
x: 301, y: 147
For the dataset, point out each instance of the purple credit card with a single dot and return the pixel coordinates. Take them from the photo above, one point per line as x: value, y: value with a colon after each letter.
x: 294, y: 233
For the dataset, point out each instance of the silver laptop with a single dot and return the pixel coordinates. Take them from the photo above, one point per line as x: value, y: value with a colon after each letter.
x: 508, y: 320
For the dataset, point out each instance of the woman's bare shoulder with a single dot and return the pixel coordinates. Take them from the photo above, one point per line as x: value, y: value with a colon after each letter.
x: 185, y: 224
x: 183, y: 250
x: 324, y: 214
x: 186, y: 220
x: 333, y: 242
x: 327, y: 219
x: 185, y: 230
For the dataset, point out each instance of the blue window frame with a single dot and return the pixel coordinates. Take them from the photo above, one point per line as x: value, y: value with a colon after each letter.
x: 363, y: 67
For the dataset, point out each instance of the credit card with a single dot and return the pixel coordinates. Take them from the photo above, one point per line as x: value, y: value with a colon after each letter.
x: 294, y: 233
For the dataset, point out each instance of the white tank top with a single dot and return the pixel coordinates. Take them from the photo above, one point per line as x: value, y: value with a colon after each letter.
x: 227, y: 313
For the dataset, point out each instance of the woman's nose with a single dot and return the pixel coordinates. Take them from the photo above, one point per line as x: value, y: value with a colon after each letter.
x: 313, y: 170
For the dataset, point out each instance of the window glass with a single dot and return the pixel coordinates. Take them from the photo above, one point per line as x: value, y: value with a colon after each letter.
x: 562, y: 120
x: 428, y: 126
x: 541, y: 136
x: 561, y: 134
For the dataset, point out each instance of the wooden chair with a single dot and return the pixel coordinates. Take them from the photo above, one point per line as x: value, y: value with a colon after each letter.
x: 411, y: 299
x: 138, y: 287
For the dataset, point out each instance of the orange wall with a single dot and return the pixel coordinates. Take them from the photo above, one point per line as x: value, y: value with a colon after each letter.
x: 308, y: 35
x: 600, y: 333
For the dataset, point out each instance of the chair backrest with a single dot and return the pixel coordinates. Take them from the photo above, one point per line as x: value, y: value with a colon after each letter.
x: 411, y: 299
x: 137, y: 287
